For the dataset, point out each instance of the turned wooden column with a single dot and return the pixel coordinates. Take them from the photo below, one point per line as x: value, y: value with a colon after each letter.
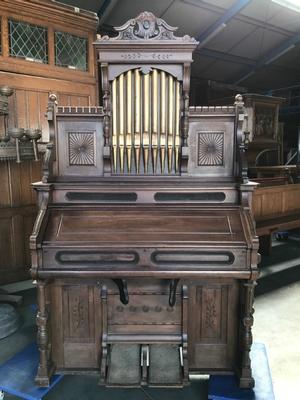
x: 246, y: 379
x: 45, y: 368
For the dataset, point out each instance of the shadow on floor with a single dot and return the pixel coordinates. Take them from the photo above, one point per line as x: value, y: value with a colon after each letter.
x: 282, y: 267
x: 86, y: 387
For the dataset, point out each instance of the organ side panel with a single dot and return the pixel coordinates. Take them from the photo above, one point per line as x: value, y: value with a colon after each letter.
x: 76, y: 325
x: 213, y: 321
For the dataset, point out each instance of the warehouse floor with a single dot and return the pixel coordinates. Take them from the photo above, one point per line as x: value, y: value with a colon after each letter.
x: 277, y: 325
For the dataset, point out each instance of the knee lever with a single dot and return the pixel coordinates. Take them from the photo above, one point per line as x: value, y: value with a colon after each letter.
x: 123, y: 291
x: 172, y: 295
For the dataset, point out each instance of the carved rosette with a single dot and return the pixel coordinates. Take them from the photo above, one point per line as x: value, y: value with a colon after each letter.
x: 210, y: 148
x: 81, y: 148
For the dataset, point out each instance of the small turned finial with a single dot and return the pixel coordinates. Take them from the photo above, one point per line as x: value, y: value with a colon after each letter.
x: 239, y: 100
x: 52, y: 97
x: 6, y: 91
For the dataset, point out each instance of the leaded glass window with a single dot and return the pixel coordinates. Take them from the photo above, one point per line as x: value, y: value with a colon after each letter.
x: 28, y: 41
x: 70, y: 51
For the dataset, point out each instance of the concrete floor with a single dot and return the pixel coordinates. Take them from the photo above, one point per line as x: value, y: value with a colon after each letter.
x: 277, y: 316
x: 277, y: 325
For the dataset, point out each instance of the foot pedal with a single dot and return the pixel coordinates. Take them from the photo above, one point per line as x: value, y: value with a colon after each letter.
x: 124, y: 366
x: 164, y: 365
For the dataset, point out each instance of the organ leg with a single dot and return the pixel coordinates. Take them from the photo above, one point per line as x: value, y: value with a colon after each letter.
x: 45, y: 367
x: 246, y: 379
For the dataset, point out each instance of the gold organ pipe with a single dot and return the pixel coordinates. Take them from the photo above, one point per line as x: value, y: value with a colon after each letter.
x: 129, y: 101
x: 137, y: 100
x: 163, y: 103
x: 170, y: 121
x: 137, y: 118
x: 177, y: 126
x: 121, y: 103
x: 154, y: 101
x: 146, y: 109
x: 154, y: 118
x: 162, y: 119
x: 171, y: 104
x: 114, y: 128
x: 121, y: 134
x: 129, y: 119
x: 146, y: 102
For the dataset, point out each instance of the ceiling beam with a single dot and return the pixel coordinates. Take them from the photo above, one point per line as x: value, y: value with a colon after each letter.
x: 271, y: 56
x: 221, y: 22
x: 105, y: 9
x: 219, y: 55
x: 239, y: 17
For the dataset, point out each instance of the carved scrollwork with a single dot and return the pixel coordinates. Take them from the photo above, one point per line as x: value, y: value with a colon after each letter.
x: 210, y: 315
x: 147, y: 27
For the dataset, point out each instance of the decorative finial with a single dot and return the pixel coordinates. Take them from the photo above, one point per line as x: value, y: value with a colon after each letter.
x: 52, y: 97
x: 239, y: 100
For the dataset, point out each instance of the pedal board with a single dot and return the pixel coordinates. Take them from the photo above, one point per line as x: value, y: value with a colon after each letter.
x: 133, y: 365
x: 165, y: 367
x: 124, y: 365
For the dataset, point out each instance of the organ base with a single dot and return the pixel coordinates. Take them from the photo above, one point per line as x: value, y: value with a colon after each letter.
x: 146, y: 342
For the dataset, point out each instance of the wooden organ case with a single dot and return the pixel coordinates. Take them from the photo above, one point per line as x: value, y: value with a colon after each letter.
x: 144, y: 248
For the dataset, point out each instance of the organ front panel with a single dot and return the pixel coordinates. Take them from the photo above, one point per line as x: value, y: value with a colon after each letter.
x: 144, y: 247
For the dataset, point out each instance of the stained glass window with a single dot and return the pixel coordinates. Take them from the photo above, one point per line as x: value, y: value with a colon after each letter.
x: 28, y: 41
x: 70, y: 51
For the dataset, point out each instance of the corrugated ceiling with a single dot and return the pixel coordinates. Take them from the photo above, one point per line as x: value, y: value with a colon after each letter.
x: 261, y: 39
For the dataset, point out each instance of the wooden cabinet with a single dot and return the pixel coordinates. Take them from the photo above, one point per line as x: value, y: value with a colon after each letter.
x: 32, y: 82
x: 144, y: 250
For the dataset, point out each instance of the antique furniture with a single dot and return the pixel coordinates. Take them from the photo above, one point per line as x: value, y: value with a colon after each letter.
x: 144, y: 248
x: 45, y: 47
x: 265, y: 148
x: 275, y: 208
x: 265, y: 131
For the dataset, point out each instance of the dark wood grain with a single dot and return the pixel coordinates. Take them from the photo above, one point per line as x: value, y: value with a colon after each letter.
x: 146, y: 258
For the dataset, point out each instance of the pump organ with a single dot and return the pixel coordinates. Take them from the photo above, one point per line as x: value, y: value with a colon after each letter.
x: 144, y: 247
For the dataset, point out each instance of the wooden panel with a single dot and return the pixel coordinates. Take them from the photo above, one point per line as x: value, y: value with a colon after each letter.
x: 212, y: 331
x: 142, y: 312
x: 88, y: 136
x: 78, y: 314
x: 143, y: 225
x: 56, y: 316
x: 6, y: 247
x: 211, y: 323
x: 29, y: 103
x: 83, y: 354
x: 15, y: 227
x: 276, y: 201
x: 76, y: 325
x: 17, y: 215
x: 5, y: 195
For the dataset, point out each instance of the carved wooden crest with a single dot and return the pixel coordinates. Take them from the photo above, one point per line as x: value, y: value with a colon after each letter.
x: 146, y: 26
